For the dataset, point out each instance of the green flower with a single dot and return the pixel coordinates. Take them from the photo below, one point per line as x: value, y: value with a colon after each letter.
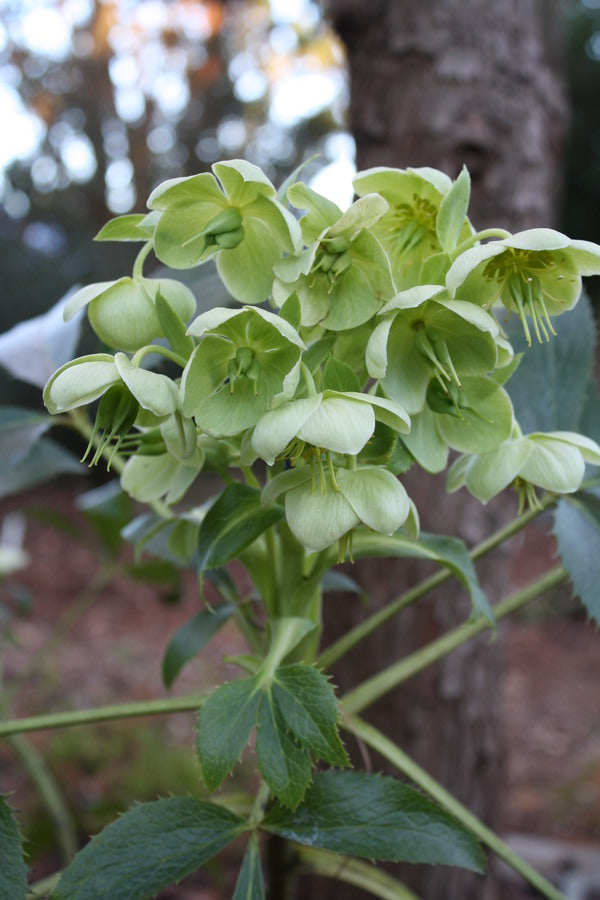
x: 87, y: 378
x: 246, y: 360
x: 473, y: 419
x: 422, y: 333
x: 553, y: 461
x: 343, y: 277
x: 330, y: 421
x: 536, y: 273
x: 409, y: 230
x: 321, y: 512
x: 123, y: 312
x: 236, y: 219
x: 152, y: 477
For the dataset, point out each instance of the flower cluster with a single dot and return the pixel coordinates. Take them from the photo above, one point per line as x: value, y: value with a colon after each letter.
x: 362, y: 341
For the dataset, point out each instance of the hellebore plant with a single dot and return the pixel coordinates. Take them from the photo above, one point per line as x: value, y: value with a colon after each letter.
x: 363, y: 342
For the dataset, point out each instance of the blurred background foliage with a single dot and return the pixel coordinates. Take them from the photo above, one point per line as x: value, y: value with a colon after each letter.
x: 100, y: 100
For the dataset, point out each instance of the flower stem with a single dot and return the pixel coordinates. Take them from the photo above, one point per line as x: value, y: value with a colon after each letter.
x: 373, y: 688
x: 162, y: 351
x: 480, y: 236
x: 340, y: 647
x: 379, y: 742
x: 354, y: 871
x: 141, y: 259
x: 102, y: 714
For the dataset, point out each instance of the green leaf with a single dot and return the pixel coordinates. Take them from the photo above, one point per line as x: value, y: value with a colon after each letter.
x: 577, y: 530
x: 250, y: 881
x: 284, y: 763
x: 338, y: 376
x: 340, y: 582
x: 13, y: 872
x: 191, y: 638
x: 548, y: 390
x: 447, y: 551
x: 125, y: 228
x: 148, y: 848
x: 224, y: 726
x: 307, y: 704
x: 367, y: 815
x: 453, y: 210
x: 173, y: 327
x: 233, y: 522
x: 44, y: 461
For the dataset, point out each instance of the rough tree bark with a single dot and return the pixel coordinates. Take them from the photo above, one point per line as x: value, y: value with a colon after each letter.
x: 442, y: 84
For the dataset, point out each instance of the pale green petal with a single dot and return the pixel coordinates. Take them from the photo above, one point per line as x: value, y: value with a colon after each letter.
x: 321, y: 212
x: 285, y: 481
x: 178, y: 239
x: 317, y: 519
x: 472, y: 314
x: 363, y: 213
x: 194, y: 189
x: 425, y: 442
x: 585, y: 256
x: 152, y: 391
x: 387, y: 411
x: 178, y: 295
x: 230, y: 410
x: 553, y: 465
x: 376, y: 353
x: 247, y: 270
x: 457, y: 472
x: 206, y: 369
x: 290, y: 268
x: 275, y: 430
x: 505, y: 351
x: 352, y: 301
x: 85, y: 295
x: 339, y: 424
x: 412, y: 298
x: 439, y: 180
x: 408, y: 373
x: 376, y: 496
x: 211, y: 319
x: 490, y: 473
x: 486, y: 424
x: 80, y: 381
x: 464, y: 264
x: 124, y: 316
x: 242, y: 180
x: 148, y: 478
x: 588, y: 448
x: 180, y: 436
x: 538, y: 239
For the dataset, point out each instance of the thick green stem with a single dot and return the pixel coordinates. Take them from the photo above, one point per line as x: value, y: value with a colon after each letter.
x: 162, y: 351
x: 479, y: 236
x: 374, y: 688
x: 349, y: 640
x: 140, y: 259
x: 354, y: 871
x: 101, y: 714
x: 379, y: 742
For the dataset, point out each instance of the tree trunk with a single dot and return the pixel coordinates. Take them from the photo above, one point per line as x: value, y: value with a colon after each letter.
x: 442, y: 84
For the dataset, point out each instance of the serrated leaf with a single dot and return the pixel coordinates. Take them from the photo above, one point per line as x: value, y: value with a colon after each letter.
x: 447, y: 551
x: 577, y: 530
x: 125, y: 228
x: 307, y: 705
x: 173, y: 326
x: 452, y: 212
x: 224, y: 726
x: 13, y: 871
x: 45, y: 460
x: 233, y: 522
x: 249, y: 885
x: 373, y: 816
x: 190, y: 638
x: 147, y: 849
x: 338, y: 376
x: 548, y: 389
x: 285, y: 765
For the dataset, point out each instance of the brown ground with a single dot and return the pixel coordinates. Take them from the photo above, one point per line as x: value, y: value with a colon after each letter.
x: 113, y: 652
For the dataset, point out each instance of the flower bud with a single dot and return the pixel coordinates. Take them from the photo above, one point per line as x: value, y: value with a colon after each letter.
x: 228, y: 240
